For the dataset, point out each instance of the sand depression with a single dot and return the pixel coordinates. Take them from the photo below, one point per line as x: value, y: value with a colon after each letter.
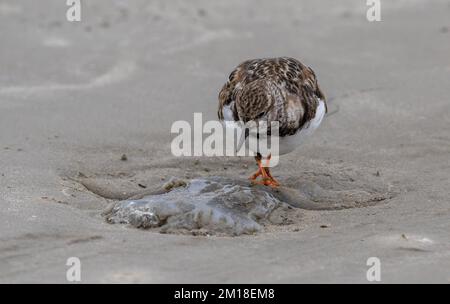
x: 202, y: 203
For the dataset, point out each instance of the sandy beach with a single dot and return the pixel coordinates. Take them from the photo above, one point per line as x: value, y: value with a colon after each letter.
x: 86, y: 110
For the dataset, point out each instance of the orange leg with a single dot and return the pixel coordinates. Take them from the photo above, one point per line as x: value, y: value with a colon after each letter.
x: 261, y: 171
x: 267, y: 178
x: 272, y: 181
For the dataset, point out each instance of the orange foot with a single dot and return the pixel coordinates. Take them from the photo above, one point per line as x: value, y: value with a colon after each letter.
x: 267, y: 178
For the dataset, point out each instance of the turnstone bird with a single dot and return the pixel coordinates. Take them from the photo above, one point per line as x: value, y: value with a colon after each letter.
x: 274, y: 89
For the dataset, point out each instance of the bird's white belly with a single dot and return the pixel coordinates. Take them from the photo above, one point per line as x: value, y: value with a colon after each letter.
x: 290, y: 143
x: 286, y: 144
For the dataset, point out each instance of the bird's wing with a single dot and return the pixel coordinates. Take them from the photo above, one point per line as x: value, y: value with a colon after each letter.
x: 300, y: 89
x: 238, y: 78
x: 292, y: 75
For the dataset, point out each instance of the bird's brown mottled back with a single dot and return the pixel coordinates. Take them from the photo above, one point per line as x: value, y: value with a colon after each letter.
x: 258, y: 85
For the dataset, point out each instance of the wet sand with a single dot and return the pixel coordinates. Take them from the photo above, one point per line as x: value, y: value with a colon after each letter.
x: 76, y: 98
